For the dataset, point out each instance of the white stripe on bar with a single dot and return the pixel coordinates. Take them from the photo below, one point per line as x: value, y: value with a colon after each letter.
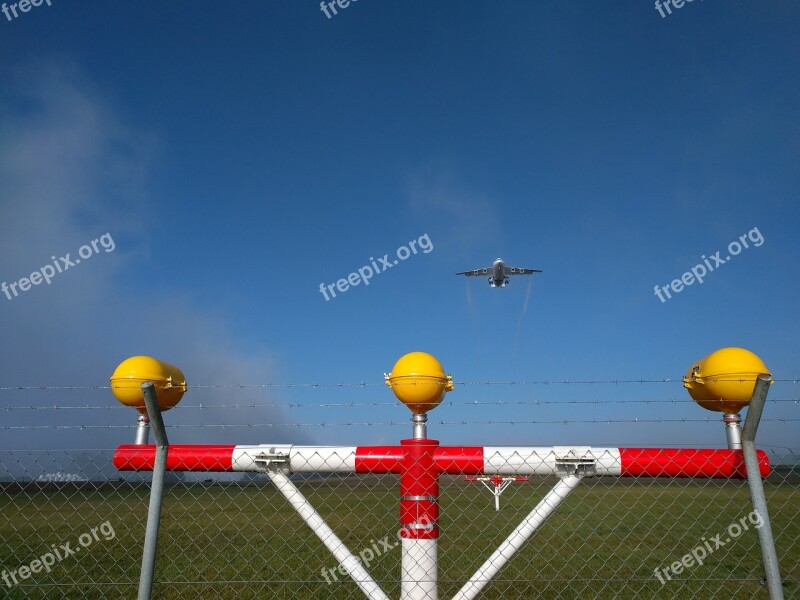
x: 302, y: 459
x: 530, y: 460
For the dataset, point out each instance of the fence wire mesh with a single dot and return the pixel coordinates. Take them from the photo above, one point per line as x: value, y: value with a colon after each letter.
x: 73, y: 527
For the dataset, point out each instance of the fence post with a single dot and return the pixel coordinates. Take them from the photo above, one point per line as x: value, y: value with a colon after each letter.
x: 156, y: 492
x: 768, y: 554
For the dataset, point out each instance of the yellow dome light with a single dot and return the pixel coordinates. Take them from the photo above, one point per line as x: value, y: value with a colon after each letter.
x: 418, y: 380
x: 724, y: 380
x: 127, y: 380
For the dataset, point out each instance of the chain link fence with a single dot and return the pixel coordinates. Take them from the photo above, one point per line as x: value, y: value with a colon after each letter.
x: 73, y: 526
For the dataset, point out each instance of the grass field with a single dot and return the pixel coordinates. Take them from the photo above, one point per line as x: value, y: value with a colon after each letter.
x: 227, y: 541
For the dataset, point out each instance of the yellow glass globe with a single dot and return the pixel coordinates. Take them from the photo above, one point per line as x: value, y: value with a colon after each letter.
x: 128, y: 377
x: 418, y: 380
x: 724, y: 380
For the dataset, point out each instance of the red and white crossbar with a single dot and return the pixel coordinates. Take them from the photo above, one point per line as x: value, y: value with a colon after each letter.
x: 420, y: 462
x: 454, y: 460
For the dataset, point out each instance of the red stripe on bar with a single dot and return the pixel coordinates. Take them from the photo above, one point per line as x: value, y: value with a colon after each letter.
x: 460, y: 460
x: 688, y: 462
x: 379, y: 459
x: 179, y: 458
x: 453, y: 460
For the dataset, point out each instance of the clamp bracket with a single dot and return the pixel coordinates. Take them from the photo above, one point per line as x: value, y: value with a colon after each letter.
x: 575, y: 461
x: 274, y: 460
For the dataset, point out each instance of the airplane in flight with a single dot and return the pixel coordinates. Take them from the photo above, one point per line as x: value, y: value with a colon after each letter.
x: 498, y: 273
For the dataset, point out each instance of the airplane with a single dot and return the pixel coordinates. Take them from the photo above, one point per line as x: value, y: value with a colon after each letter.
x: 498, y: 273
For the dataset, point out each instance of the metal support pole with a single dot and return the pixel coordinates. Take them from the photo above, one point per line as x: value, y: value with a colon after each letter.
x: 732, y: 430
x: 142, y: 430
x: 318, y: 525
x: 420, y: 429
x: 765, y: 539
x: 156, y: 492
x: 518, y: 537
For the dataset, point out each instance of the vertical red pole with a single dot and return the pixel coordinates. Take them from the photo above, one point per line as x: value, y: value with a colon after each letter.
x: 419, y: 519
x: 419, y: 490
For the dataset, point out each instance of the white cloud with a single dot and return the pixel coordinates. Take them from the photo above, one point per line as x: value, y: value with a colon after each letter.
x: 437, y: 193
x: 71, y: 170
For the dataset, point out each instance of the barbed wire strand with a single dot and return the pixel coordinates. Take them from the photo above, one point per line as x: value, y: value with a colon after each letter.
x: 112, y: 406
x: 388, y: 423
x: 364, y: 384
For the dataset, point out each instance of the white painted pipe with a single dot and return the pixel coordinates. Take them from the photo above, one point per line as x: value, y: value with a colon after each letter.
x: 318, y: 525
x: 419, y: 569
x: 302, y: 459
x: 518, y: 537
x: 531, y: 460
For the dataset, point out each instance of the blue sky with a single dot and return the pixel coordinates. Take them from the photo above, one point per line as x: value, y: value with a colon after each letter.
x: 242, y: 154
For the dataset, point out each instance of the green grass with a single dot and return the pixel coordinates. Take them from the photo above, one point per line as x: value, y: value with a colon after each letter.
x: 229, y: 541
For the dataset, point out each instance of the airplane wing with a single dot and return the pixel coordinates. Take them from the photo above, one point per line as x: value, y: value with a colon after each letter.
x: 477, y: 272
x: 520, y: 271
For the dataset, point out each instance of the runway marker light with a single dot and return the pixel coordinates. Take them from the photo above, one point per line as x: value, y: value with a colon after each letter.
x: 418, y: 380
x: 128, y: 377
x: 724, y: 380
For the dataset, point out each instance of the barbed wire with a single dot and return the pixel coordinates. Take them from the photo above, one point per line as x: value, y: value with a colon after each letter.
x: 793, y: 450
x: 110, y: 406
x: 364, y: 384
x: 388, y: 423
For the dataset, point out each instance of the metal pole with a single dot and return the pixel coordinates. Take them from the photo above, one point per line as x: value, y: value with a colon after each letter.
x: 519, y: 536
x: 318, y: 525
x: 142, y: 430
x: 732, y: 430
x: 420, y: 429
x: 156, y: 492
x: 765, y: 539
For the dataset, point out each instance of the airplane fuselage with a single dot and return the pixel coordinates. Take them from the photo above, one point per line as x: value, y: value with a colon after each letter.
x: 498, y: 278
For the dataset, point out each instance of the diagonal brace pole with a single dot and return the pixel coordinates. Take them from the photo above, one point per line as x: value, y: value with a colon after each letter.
x: 765, y: 539
x: 518, y: 537
x: 156, y: 492
x: 318, y: 525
